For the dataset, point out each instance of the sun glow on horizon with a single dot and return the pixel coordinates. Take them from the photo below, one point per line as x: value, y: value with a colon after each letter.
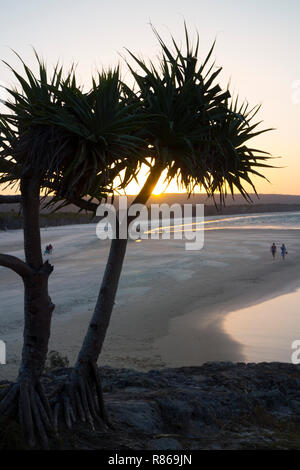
x: 161, y: 187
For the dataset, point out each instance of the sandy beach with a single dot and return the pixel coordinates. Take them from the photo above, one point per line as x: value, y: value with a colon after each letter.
x: 171, y: 303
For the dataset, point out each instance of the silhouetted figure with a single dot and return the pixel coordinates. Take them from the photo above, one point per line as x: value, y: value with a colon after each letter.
x: 273, y: 250
x: 48, y: 250
x: 283, y: 251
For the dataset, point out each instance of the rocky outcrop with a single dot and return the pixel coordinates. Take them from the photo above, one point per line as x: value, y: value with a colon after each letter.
x: 219, y: 405
x: 215, y: 406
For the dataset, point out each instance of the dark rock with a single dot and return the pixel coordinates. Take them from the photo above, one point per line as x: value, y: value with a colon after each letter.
x: 219, y: 405
x: 164, y: 443
x: 138, y: 415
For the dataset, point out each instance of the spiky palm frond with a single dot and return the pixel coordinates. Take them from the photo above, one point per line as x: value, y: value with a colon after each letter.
x: 233, y: 163
x: 199, y: 135
x: 76, y: 142
x: 102, y: 128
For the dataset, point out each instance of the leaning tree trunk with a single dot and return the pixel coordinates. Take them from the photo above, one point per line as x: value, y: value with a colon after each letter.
x: 94, y: 339
x: 82, y: 397
x: 26, y: 396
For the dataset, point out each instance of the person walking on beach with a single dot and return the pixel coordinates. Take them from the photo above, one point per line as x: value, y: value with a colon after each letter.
x: 283, y: 251
x: 273, y: 250
x: 48, y: 250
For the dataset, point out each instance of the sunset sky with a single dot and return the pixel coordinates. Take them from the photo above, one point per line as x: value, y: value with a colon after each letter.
x: 257, y: 46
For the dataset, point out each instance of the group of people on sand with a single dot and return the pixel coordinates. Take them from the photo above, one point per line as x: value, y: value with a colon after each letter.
x: 48, y: 250
x: 283, y: 250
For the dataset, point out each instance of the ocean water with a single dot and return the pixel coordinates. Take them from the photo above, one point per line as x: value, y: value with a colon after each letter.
x: 267, y: 331
x: 273, y: 220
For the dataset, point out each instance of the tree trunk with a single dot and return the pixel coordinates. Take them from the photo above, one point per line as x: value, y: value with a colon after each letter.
x: 97, y: 329
x: 38, y: 307
x: 30, y: 193
x: 27, y: 396
x: 38, y: 310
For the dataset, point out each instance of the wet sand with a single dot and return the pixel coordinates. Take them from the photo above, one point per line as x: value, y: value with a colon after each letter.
x: 171, y: 303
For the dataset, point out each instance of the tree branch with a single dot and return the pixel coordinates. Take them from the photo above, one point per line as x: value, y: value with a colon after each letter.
x: 83, y: 204
x: 16, y: 264
x: 77, y: 201
x: 10, y: 199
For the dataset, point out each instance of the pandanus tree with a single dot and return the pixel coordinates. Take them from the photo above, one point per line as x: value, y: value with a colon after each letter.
x: 60, y: 140
x: 200, y: 138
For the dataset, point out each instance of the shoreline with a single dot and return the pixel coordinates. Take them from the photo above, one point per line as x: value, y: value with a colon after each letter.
x: 211, y: 324
x: 163, y: 291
